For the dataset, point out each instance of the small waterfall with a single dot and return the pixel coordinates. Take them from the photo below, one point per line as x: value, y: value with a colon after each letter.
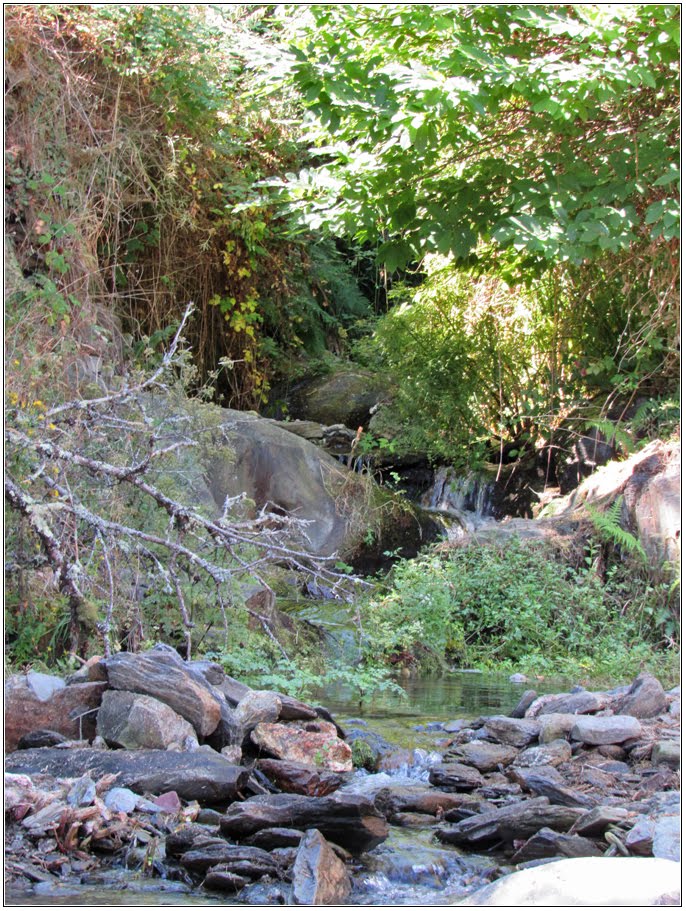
x: 462, y: 504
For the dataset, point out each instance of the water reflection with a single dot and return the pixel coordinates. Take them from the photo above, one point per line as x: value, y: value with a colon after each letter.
x: 459, y: 694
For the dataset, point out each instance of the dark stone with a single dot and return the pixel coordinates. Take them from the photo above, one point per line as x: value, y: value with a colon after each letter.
x: 515, y: 821
x: 598, y: 820
x: 188, y: 836
x: 528, y: 697
x: 276, y: 837
x: 37, y: 739
x: 516, y: 732
x: 645, y: 699
x: 201, y: 775
x: 455, y: 776
x: 484, y: 756
x: 417, y: 799
x: 547, y: 843
x: 582, y: 703
x: 218, y: 880
x: 242, y: 859
x: 348, y: 820
x: 164, y: 677
x: 547, y: 782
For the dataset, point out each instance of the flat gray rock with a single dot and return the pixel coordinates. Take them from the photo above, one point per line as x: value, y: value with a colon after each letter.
x: 516, y: 732
x: 484, y: 756
x: 202, y: 776
x: 606, y: 729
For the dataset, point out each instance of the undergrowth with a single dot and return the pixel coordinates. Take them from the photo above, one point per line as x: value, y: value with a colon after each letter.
x: 520, y: 606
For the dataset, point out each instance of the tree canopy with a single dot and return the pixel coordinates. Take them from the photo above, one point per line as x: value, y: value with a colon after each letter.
x: 550, y: 131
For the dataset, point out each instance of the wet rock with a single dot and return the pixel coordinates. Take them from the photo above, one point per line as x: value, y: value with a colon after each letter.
x: 133, y: 722
x: 528, y: 697
x: 547, y: 843
x: 67, y: 710
x: 667, y: 752
x: 484, y: 756
x: 242, y: 859
x: 517, y: 732
x: 368, y: 748
x: 416, y: 799
x: 297, y: 778
x: 314, y: 743
x: 547, y: 782
x: 36, y: 739
x: 220, y: 880
x: 319, y: 877
x: 596, y: 881
x: 605, y: 729
x: 645, y: 699
x: 553, y: 753
x: 276, y: 837
x: 455, y: 776
x: 597, y: 821
x: 350, y: 821
x: 205, y: 777
x: 151, y: 675
x: 515, y: 821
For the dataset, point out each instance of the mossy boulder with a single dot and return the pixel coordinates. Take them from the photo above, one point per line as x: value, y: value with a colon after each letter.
x: 343, y: 397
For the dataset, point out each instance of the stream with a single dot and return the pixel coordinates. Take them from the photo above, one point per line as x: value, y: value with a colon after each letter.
x: 409, y: 868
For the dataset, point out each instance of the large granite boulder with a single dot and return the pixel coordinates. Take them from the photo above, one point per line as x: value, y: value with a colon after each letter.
x: 595, y: 881
x: 344, y: 397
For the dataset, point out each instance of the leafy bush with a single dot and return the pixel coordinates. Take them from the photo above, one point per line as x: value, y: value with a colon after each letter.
x: 517, y: 605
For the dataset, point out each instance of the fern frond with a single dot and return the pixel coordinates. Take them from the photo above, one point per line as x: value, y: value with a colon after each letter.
x: 613, y: 432
x: 608, y: 526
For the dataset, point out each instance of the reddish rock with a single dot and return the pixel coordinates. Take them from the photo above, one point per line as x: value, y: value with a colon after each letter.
x: 296, y: 778
x: 70, y: 711
x: 313, y: 743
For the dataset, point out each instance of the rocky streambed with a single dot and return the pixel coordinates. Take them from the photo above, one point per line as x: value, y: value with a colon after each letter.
x: 148, y: 772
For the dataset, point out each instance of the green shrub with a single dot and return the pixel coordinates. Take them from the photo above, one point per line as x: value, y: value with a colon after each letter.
x: 517, y: 605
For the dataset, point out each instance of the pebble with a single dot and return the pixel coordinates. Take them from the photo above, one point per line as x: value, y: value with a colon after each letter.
x: 121, y: 800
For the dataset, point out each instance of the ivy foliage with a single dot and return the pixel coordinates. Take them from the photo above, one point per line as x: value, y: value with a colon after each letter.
x: 549, y: 130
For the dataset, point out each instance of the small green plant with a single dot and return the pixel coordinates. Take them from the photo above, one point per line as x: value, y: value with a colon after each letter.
x: 607, y: 524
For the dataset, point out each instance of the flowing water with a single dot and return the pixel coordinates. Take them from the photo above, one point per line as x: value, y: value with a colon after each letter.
x: 410, y: 867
